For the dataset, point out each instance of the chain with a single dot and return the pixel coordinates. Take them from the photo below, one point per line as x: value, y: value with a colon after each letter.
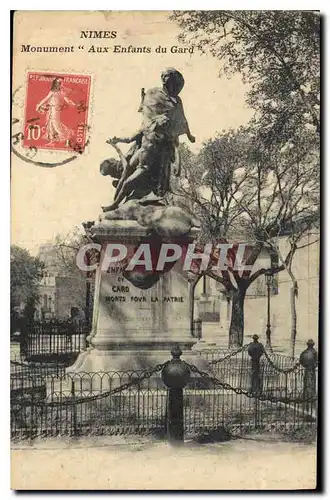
x: 249, y: 394
x: 230, y: 355
x: 214, y: 380
x: 281, y: 370
x: 146, y: 375
x: 244, y: 347
x: 18, y: 363
x: 34, y: 366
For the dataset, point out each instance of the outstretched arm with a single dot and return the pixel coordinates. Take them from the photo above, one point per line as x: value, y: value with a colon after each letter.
x: 68, y: 101
x: 44, y: 101
x: 120, y: 153
x: 127, y: 140
x: 189, y: 134
x: 191, y: 137
x: 127, y: 168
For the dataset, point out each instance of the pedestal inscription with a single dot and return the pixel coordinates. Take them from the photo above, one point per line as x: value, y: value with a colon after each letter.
x: 134, y: 328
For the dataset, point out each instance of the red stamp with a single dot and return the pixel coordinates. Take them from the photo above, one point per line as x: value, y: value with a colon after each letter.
x: 56, y: 111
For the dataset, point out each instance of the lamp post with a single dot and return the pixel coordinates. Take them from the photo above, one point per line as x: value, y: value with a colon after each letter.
x: 269, y: 282
x: 228, y: 299
x: 227, y: 295
x: 191, y: 278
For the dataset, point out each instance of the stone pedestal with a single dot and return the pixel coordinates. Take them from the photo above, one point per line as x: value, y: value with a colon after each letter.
x: 133, y: 328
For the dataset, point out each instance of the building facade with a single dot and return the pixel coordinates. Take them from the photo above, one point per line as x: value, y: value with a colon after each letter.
x: 213, y: 304
x: 59, y: 290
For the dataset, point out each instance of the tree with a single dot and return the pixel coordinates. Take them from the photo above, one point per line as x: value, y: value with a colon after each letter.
x: 277, y: 54
x: 268, y: 183
x: 288, y: 208
x: 244, y: 192
x: 25, y: 274
x: 66, y: 251
x: 296, y: 236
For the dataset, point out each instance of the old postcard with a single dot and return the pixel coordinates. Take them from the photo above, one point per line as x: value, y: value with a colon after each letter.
x: 165, y: 186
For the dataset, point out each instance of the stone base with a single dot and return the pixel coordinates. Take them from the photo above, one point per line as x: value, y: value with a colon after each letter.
x: 96, y: 371
x: 134, y: 327
x: 131, y: 358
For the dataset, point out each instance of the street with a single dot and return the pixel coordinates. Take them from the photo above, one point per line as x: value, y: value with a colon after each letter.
x: 138, y: 463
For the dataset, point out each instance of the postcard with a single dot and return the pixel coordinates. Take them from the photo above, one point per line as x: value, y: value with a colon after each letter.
x: 165, y: 228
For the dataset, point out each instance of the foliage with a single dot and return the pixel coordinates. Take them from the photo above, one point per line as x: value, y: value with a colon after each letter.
x: 277, y: 54
x: 245, y: 192
x: 66, y: 248
x: 261, y: 181
x: 25, y: 274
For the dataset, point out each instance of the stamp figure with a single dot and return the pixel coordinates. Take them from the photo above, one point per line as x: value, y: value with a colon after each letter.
x: 56, y: 111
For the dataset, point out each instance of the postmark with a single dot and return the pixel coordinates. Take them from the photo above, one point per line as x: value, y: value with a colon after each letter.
x: 50, y: 118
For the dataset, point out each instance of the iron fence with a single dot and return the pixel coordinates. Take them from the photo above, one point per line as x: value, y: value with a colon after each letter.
x: 134, y: 402
x: 279, y: 375
x: 53, y: 340
x: 24, y: 374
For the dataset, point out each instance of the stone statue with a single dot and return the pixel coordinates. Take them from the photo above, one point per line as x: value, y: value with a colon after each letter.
x: 144, y: 173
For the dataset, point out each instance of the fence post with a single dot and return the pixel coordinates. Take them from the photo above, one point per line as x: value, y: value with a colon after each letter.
x: 308, y: 359
x: 255, y: 351
x: 74, y: 408
x: 32, y: 433
x: 175, y: 376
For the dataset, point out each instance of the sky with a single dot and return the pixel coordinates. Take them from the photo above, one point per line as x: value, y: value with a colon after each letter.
x: 50, y: 201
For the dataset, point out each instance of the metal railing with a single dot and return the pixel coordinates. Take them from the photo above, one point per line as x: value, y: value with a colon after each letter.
x: 22, y: 373
x: 279, y: 374
x: 53, y: 340
x: 239, y: 399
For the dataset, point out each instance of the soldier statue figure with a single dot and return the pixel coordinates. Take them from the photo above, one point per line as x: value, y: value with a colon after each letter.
x: 144, y: 173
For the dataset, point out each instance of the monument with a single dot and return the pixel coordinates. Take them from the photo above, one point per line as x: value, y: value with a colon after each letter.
x: 140, y: 313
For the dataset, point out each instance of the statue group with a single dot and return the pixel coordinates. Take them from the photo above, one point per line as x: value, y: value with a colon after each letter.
x: 142, y: 176
x: 136, y: 320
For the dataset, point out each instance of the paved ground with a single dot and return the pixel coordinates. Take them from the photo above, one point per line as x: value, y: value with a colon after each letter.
x: 118, y: 463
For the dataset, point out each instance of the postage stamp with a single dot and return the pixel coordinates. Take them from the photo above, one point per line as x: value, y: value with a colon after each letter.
x: 56, y: 111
